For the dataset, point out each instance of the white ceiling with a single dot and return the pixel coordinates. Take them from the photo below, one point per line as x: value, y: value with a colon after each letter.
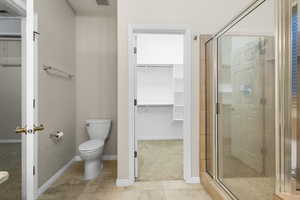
x: 91, y: 8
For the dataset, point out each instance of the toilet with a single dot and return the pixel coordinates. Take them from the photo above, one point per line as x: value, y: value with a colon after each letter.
x: 91, y: 150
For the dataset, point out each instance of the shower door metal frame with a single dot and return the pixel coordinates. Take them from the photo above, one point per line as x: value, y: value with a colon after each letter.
x: 282, y: 94
x: 285, y: 180
x: 282, y: 59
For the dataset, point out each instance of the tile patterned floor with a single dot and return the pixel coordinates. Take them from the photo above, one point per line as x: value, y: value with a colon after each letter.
x: 160, y: 160
x: 249, y: 188
x: 71, y: 186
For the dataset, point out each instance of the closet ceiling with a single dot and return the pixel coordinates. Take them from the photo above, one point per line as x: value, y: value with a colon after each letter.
x: 91, y: 8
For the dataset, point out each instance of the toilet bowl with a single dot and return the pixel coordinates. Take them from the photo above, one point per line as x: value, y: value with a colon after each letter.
x: 91, y: 150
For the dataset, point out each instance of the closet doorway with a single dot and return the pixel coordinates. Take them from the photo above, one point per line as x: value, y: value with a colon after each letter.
x: 160, y: 100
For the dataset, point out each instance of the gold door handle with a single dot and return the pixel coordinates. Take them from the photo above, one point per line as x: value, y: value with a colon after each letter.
x: 21, y: 130
x: 38, y: 128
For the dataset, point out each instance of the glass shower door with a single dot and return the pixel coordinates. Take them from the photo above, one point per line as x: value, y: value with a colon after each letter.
x: 246, y: 107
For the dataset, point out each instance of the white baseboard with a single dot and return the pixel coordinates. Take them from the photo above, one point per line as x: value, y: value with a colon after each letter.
x: 193, y: 180
x: 51, y: 180
x: 10, y: 141
x: 124, y: 182
x: 104, y: 157
x: 77, y: 158
x: 109, y: 157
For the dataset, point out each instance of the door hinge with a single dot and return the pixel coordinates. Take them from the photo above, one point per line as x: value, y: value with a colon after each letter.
x: 135, y: 154
x: 35, y: 33
x: 33, y: 103
x: 135, y: 102
x: 33, y: 170
x: 217, y: 108
x: 135, y: 50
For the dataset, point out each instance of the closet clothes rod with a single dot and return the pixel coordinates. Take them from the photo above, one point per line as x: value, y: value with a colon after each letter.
x: 7, y: 37
x: 51, y: 69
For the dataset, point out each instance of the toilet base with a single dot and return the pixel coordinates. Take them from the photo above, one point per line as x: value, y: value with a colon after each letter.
x: 92, y: 169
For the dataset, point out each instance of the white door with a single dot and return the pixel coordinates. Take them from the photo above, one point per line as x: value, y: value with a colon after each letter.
x: 29, y: 82
x: 29, y: 110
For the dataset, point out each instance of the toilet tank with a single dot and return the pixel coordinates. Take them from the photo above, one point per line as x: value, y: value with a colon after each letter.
x: 98, y: 129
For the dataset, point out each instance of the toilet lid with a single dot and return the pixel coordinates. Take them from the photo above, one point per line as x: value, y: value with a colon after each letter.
x: 91, y: 145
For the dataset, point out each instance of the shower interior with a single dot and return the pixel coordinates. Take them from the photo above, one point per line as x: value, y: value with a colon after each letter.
x: 242, y: 153
x: 252, y: 103
x: 246, y: 115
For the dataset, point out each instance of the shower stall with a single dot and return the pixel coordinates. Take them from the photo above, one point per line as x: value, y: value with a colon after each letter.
x: 252, y: 102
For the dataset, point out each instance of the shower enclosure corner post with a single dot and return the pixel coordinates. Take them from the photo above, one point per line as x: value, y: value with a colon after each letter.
x: 285, y: 182
x: 214, y: 106
x: 279, y: 100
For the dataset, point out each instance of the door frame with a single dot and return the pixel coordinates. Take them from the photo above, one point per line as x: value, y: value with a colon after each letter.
x: 187, y: 125
x: 36, y: 103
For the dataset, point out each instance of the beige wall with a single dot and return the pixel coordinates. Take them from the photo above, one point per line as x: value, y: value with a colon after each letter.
x: 96, y: 75
x: 201, y: 16
x: 56, y: 94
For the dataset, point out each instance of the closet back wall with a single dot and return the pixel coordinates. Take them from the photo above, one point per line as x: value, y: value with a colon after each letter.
x: 157, y: 55
x: 96, y: 75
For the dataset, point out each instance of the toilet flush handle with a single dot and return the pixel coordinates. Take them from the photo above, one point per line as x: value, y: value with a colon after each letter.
x: 87, y: 124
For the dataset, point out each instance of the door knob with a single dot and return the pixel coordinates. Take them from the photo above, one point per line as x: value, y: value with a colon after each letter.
x: 21, y: 130
x: 25, y: 130
x: 39, y: 128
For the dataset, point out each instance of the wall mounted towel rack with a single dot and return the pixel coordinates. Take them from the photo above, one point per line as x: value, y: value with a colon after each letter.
x: 54, y: 70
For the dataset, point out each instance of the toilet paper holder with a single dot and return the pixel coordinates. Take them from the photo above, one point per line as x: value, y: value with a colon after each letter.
x: 57, y: 136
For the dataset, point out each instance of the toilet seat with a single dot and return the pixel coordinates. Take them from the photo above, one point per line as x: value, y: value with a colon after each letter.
x: 91, y: 145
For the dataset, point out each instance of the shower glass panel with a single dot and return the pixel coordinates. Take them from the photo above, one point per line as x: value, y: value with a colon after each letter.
x: 209, y: 106
x: 246, y: 107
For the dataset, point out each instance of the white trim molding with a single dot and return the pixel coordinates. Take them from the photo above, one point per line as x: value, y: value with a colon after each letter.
x: 77, y: 158
x: 51, y: 180
x: 124, y: 182
x: 193, y: 180
x: 188, y: 99
x: 109, y: 157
